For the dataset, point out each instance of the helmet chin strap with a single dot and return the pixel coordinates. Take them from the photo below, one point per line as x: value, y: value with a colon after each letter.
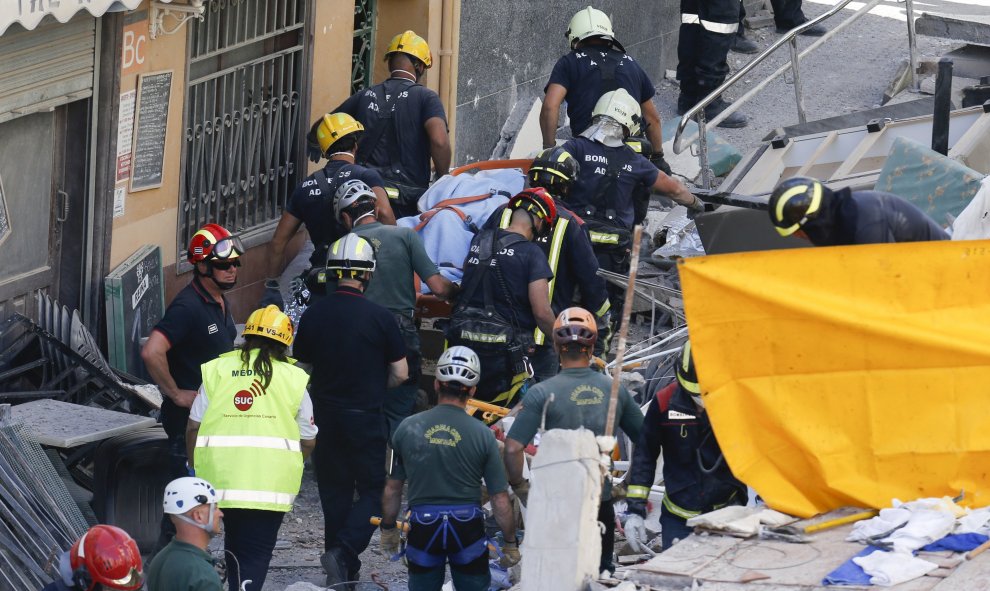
x: 208, y: 527
x: 413, y: 74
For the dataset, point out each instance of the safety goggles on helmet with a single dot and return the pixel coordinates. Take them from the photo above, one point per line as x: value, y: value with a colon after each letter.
x: 228, y: 248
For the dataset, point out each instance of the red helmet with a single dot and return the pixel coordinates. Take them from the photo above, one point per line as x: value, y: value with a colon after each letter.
x: 106, y: 555
x: 213, y: 241
x: 538, y: 203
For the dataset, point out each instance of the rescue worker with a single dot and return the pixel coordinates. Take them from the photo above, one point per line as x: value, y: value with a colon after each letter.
x: 708, y: 28
x: 569, y: 254
x: 351, y: 374
x: 185, y: 565
x: 596, y: 64
x: 249, y: 431
x: 505, y: 297
x: 399, y: 253
x: 311, y: 203
x: 695, y: 474
x: 578, y: 397
x: 443, y: 453
x: 806, y: 208
x: 406, y: 123
x: 613, y: 182
x: 197, y: 327
x: 104, y: 557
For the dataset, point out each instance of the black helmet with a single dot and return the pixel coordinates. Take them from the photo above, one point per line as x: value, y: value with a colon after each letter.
x: 794, y: 202
x: 555, y: 170
x: 686, y: 374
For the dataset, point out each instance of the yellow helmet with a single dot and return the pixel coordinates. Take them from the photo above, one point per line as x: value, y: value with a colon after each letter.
x: 590, y: 22
x: 270, y: 322
x: 335, y: 126
x: 411, y: 44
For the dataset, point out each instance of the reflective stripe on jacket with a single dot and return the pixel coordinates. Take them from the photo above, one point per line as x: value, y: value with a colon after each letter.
x: 248, y: 444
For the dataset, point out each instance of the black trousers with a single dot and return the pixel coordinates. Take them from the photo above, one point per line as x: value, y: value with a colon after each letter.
x: 616, y: 261
x: 400, y: 400
x: 702, y: 47
x: 606, y: 515
x: 249, y: 537
x: 787, y: 14
x: 350, y: 459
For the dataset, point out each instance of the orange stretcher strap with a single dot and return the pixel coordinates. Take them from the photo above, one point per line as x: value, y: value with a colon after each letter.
x: 522, y: 164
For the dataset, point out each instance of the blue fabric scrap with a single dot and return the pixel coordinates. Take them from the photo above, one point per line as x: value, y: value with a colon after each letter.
x: 850, y: 573
x: 957, y: 543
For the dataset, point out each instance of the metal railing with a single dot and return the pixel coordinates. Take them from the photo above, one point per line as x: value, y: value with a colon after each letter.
x: 697, y: 112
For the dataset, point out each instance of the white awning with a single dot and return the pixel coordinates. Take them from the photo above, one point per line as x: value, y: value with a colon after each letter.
x: 30, y: 12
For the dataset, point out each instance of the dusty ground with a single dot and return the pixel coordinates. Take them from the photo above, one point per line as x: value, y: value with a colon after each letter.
x: 849, y: 73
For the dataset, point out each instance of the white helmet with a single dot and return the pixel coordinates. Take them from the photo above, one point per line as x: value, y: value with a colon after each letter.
x: 590, y: 22
x: 188, y: 492
x: 459, y: 364
x: 622, y: 107
x: 349, y: 193
x: 351, y: 253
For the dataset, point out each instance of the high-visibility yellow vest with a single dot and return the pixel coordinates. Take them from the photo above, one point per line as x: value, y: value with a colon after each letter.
x: 248, y: 444
x: 553, y: 257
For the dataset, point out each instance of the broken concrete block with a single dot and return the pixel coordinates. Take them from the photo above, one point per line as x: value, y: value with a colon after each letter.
x: 563, y: 542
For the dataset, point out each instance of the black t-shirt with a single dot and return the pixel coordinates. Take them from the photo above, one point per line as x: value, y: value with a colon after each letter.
x: 577, y: 265
x: 594, y: 158
x: 520, y: 264
x: 198, y: 330
x: 412, y: 106
x: 580, y: 72
x: 871, y: 217
x: 309, y: 204
x: 350, y: 342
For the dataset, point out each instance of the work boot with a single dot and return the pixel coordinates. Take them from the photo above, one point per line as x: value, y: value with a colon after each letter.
x: 733, y: 121
x: 333, y: 565
x: 740, y: 44
x: 815, y: 31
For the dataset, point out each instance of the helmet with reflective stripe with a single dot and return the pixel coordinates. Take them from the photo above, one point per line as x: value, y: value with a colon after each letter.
x: 334, y: 127
x: 106, y: 555
x: 188, y: 492
x: 622, y: 107
x: 459, y: 364
x: 350, y: 193
x: 351, y: 254
x: 589, y: 22
x: 686, y: 375
x: 412, y: 45
x: 270, y: 322
x: 794, y: 202
x: 213, y: 242
x: 575, y: 325
x: 538, y: 203
x: 555, y: 170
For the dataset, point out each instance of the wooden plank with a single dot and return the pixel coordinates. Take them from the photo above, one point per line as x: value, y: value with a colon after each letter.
x: 970, y: 575
x: 67, y: 425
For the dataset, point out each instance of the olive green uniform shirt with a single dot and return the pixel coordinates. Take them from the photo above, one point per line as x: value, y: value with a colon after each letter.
x: 443, y: 454
x: 580, y: 399
x: 398, y: 253
x: 182, y: 567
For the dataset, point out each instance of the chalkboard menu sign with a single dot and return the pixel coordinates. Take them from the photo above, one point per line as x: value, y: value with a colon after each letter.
x: 135, y: 300
x: 150, y: 127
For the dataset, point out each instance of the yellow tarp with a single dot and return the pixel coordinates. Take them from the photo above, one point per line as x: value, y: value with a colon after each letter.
x: 848, y: 375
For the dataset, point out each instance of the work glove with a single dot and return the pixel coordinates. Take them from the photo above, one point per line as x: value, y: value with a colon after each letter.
x: 604, y: 325
x: 510, y: 555
x: 695, y: 208
x: 272, y: 295
x: 521, y: 491
x: 636, y: 534
x: 313, y: 150
x: 390, y: 541
x: 659, y: 162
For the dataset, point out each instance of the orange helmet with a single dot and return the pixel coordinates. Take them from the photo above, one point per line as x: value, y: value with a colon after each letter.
x: 213, y: 241
x: 575, y: 325
x: 106, y: 555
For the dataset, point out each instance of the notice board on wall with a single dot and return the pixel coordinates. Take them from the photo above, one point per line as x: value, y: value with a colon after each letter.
x: 150, y: 127
x: 135, y: 301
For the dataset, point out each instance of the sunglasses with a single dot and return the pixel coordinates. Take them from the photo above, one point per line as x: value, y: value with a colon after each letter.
x: 225, y: 265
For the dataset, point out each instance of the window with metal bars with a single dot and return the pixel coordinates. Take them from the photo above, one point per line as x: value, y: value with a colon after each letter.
x: 243, y: 115
x: 362, y: 58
